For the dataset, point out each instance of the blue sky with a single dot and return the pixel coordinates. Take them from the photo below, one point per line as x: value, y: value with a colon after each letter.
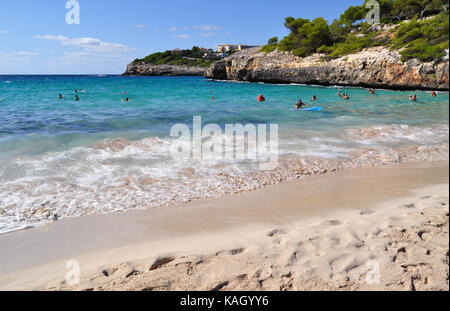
x: 35, y: 38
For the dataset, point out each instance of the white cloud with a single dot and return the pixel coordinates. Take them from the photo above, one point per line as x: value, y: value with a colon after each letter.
x: 24, y: 53
x: 138, y: 26
x: 207, y: 34
x: 181, y: 36
x: 18, y: 57
x: 207, y: 27
x: 84, y: 57
x: 173, y: 29
x: 228, y: 34
x: 9, y: 58
x: 4, y: 32
x: 89, y: 44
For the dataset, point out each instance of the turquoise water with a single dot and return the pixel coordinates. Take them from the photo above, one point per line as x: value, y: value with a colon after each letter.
x: 100, y: 154
x: 34, y: 120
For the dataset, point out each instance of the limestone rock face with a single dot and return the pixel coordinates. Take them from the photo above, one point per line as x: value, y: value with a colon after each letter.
x: 373, y: 67
x: 163, y: 70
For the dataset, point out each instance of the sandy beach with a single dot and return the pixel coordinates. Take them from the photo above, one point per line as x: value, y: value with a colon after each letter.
x: 383, y: 228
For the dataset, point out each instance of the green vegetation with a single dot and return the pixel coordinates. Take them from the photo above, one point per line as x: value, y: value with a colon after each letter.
x: 424, y: 36
x: 425, y: 40
x: 271, y: 45
x: 192, y: 57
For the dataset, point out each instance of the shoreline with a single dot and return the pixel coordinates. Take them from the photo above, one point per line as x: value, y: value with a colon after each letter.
x: 205, y: 226
x: 274, y: 82
x: 341, y: 85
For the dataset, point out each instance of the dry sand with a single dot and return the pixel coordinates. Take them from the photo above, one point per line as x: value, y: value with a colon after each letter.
x: 387, y: 225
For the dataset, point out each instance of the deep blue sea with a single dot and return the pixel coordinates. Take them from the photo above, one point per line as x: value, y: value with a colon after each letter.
x: 101, y: 154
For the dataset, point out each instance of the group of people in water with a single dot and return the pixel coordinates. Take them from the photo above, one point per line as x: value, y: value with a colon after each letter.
x: 261, y: 97
x: 413, y: 97
x: 300, y: 104
x: 77, y: 98
x: 344, y: 95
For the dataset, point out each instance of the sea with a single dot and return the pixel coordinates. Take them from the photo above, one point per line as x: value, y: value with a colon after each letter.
x: 61, y: 158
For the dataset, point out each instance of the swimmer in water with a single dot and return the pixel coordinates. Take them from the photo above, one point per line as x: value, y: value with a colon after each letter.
x: 433, y: 94
x: 314, y: 98
x: 60, y: 96
x: 371, y: 91
x: 77, y: 98
x: 261, y: 98
x: 299, y: 105
x: 345, y: 96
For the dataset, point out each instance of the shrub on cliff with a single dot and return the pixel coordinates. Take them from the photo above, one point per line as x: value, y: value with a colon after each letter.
x: 423, y: 39
x: 352, y: 44
x: 192, y: 57
x: 306, y: 36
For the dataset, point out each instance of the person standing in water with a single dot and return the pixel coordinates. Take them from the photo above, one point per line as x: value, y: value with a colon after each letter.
x: 261, y: 98
x: 314, y: 98
x: 60, y: 96
x: 433, y: 94
x: 77, y: 98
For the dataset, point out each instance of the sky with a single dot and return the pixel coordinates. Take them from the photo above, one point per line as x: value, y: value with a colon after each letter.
x: 35, y: 37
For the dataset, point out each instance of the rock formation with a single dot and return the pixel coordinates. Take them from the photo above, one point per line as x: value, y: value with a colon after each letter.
x: 373, y: 67
x: 134, y: 69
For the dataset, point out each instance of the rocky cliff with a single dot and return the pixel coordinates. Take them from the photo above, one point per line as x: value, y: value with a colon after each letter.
x: 373, y: 67
x: 163, y: 70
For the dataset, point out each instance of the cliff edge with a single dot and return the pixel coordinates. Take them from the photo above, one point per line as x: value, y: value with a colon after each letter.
x: 134, y: 69
x: 373, y: 67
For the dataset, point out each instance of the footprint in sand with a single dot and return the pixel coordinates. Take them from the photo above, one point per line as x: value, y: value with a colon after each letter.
x: 237, y: 251
x: 411, y: 205
x: 219, y: 286
x: 401, y: 252
x: 333, y: 223
x: 276, y: 232
x: 109, y: 271
x: 233, y: 252
x: 422, y: 235
x: 159, y: 262
x: 366, y: 212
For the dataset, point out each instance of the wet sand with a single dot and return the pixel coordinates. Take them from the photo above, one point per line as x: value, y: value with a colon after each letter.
x: 207, y: 230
